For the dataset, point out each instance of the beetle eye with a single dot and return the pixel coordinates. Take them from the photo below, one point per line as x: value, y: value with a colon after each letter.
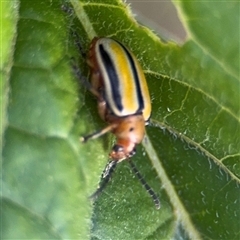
x: 133, y: 152
x: 117, y: 148
x: 131, y: 129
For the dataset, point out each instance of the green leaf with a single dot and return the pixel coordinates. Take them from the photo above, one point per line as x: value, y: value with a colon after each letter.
x: 9, y: 16
x: 215, y: 29
x: 44, y: 186
x: 190, y: 156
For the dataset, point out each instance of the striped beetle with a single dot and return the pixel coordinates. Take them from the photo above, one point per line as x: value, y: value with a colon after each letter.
x: 118, y: 82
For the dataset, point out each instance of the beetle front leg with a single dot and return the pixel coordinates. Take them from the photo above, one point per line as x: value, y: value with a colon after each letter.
x: 98, y: 133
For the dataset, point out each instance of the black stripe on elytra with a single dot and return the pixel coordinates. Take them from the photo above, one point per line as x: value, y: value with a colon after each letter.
x: 113, y: 78
x: 136, y: 79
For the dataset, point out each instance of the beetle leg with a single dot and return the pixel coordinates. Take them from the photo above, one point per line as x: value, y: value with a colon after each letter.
x: 98, y: 133
x: 67, y: 9
x: 86, y: 83
x: 78, y: 43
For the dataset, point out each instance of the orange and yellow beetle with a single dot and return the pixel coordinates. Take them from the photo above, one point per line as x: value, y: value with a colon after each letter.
x: 118, y: 82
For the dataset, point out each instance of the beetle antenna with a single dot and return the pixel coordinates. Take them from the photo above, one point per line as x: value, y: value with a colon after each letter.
x: 106, y: 175
x: 146, y: 186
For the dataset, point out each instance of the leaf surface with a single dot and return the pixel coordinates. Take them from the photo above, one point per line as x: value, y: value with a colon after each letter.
x: 190, y: 156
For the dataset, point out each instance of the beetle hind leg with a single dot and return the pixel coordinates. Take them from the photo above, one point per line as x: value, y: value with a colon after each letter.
x: 86, y: 83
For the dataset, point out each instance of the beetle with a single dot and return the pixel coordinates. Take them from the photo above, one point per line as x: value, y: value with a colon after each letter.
x: 118, y: 83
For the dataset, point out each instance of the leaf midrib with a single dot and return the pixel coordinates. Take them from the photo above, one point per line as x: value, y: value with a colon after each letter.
x: 180, y: 210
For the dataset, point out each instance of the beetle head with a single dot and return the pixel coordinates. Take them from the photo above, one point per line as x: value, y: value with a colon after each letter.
x: 129, y: 131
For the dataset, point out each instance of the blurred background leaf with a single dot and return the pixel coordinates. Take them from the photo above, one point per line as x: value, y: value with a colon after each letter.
x: 191, y: 155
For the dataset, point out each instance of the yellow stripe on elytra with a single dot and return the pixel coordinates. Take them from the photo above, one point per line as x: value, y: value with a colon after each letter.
x: 126, y: 77
x: 144, y: 90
